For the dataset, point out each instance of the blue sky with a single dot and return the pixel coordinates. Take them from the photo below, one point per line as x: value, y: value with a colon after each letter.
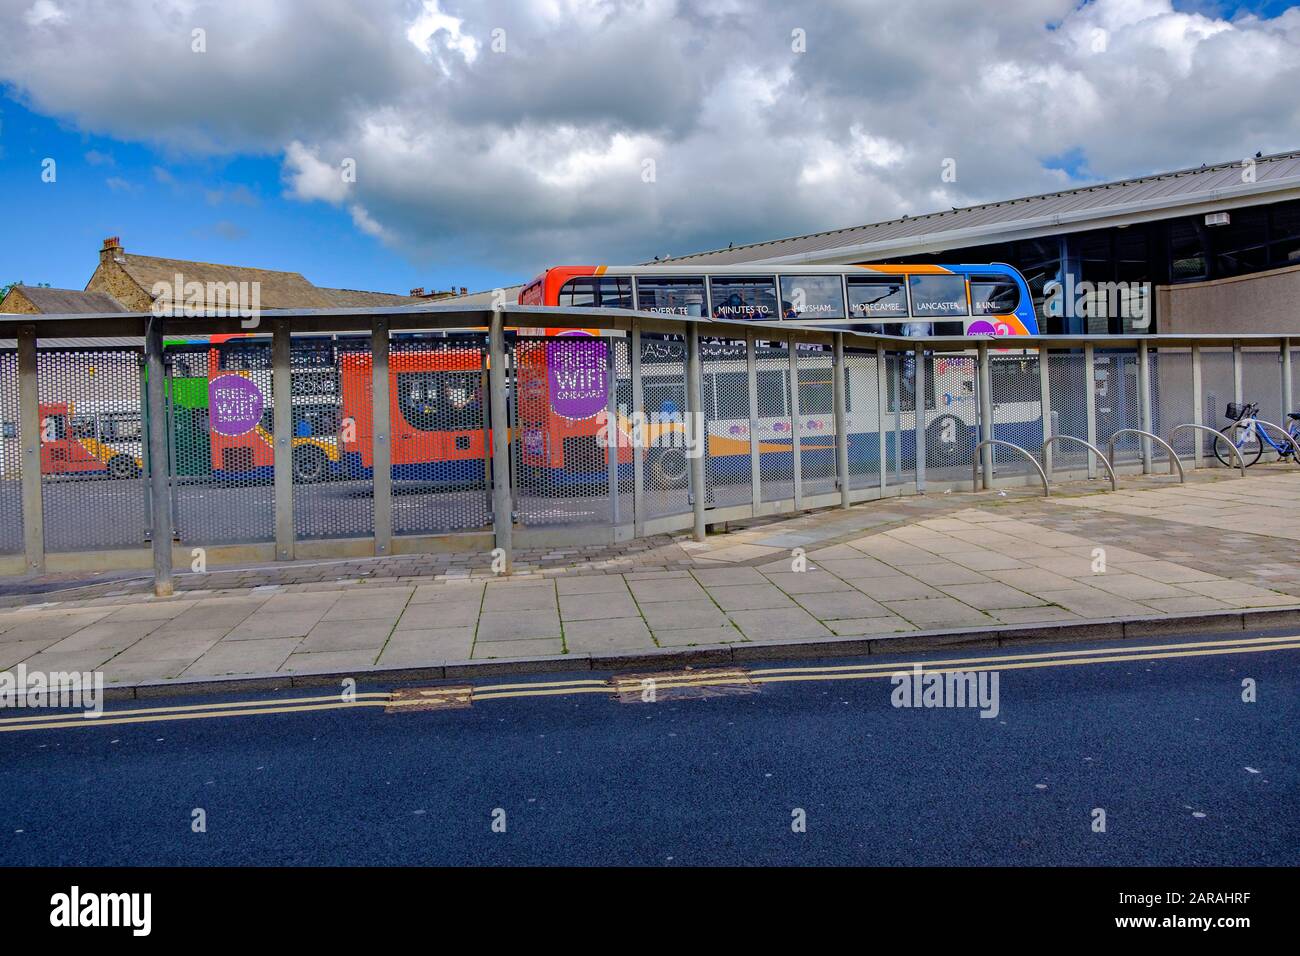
x: 216, y: 209
x: 478, y: 170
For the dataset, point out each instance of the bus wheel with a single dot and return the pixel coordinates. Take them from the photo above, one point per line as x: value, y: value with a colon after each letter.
x: 309, y: 465
x: 123, y: 466
x: 948, y: 442
x: 670, y: 468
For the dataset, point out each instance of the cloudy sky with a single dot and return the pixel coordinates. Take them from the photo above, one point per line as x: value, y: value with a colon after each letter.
x: 489, y: 139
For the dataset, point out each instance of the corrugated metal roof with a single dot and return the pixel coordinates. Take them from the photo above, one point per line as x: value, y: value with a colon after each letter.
x: 1077, y: 209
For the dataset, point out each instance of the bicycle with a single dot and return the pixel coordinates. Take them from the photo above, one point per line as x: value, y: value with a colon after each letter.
x: 1249, y: 435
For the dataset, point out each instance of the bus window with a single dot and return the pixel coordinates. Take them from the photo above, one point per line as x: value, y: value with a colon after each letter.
x: 816, y: 391
x: 82, y: 426
x: 604, y: 292
x: 993, y: 295
x: 120, y: 426
x: 812, y: 297
x: 771, y: 392
x: 938, y: 295
x: 902, y: 387
x: 440, y: 401
x: 749, y: 298
x: 877, y: 300
x: 674, y: 296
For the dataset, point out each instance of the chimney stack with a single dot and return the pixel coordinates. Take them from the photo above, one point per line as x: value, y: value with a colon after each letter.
x: 417, y: 293
x: 111, y: 248
x: 463, y: 290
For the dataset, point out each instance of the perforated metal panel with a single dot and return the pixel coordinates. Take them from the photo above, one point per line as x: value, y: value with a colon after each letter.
x: 1172, y: 401
x: 816, y: 418
x: 1068, y: 381
x: 727, y: 424
x: 440, y: 431
x: 951, y: 416
x: 1261, y: 376
x: 11, y: 456
x: 1017, y: 410
x: 775, y: 431
x: 92, y: 461
x: 862, y: 380
x: 223, y: 470
x: 563, y: 429
x: 329, y: 500
x: 666, y: 461
x: 1216, y: 392
x: 899, y: 419
x: 1117, y: 402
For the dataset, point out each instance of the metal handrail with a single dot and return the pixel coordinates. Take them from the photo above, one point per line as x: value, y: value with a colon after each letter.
x: 975, y: 463
x: 1110, y: 470
x: 1241, y: 462
x: 1174, y: 461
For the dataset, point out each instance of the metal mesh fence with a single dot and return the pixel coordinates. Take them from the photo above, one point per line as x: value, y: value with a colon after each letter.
x: 816, y: 418
x: 1172, y: 400
x: 899, y: 419
x: 776, y: 431
x: 862, y: 406
x: 951, y: 417
x: 328, y: 500
x: 1068, y: 383
x: 11, y: 456
x: 1217, y: 391
x: 1261, y: 376
x: 439, y: 422
x: 1118, y: 405
x: 666, y: 466
x: 1016, y: 392
x: 727, y: 423
x: 564, y: 394
x: 222, y: 457
x: 92, y: 452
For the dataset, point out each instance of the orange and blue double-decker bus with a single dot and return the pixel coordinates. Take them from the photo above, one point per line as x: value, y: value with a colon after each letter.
x: 902, y: 300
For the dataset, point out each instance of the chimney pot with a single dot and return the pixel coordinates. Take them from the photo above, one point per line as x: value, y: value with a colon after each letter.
x: 463, y: 290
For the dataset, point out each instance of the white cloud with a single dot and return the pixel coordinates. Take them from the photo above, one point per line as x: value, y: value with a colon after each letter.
x: 536, y: 154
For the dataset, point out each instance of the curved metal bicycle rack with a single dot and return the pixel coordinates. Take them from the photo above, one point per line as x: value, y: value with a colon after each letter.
x: 1241, y: 462
x: 1110, y: 470
x: 975, y: 463
x: 1174, y: 461
x: 1280, y: 430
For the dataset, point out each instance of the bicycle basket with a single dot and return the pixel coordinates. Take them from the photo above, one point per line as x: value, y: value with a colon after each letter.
x: 1235, y: 411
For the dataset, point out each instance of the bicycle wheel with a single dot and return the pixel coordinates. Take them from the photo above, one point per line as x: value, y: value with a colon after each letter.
x: 1247, y: 442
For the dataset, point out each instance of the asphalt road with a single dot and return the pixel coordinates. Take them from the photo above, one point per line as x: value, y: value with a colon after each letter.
x: 1186, y: 772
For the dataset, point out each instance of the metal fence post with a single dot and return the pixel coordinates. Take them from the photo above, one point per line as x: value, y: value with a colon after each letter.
x: 986, y: 414
x: 1288, y: 382
x: 1045, y: 400
x: 612, y: 432
x: 1090, y: 403
x: 30, y: 428
x: 1198, y: 408
x: 156, y: 388
x: 501, y: 497
x: 695, y: 426
x: 638, y: 446
x: 882, y: 370
x: 282, y: 394
x: 920, y: 383
x: 796, y: 433
x: 1237, y: 373
x: 755, y: 463
x: 381, y: 445
x: 838, y: 379
x: 1144, y: 402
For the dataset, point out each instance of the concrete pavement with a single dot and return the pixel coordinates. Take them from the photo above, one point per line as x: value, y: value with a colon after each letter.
x: 881, y: 570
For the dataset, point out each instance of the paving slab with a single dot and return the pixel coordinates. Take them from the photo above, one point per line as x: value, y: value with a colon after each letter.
x: 841, y: 605
x: 681, y: 614
x: 612, y: 635
x: 779, y: 624
x: 698, y: 636
x: 748, y: 597
x: 530, y: 648
x: 518, y: 626
x: 594, y: 607
x: 435, y: 614
x: 938, y: 612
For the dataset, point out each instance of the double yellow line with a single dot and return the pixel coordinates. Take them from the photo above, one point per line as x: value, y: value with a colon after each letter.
x: 634, y: 683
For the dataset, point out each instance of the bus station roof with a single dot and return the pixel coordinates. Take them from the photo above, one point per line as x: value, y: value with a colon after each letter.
x: 1183, y: 192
